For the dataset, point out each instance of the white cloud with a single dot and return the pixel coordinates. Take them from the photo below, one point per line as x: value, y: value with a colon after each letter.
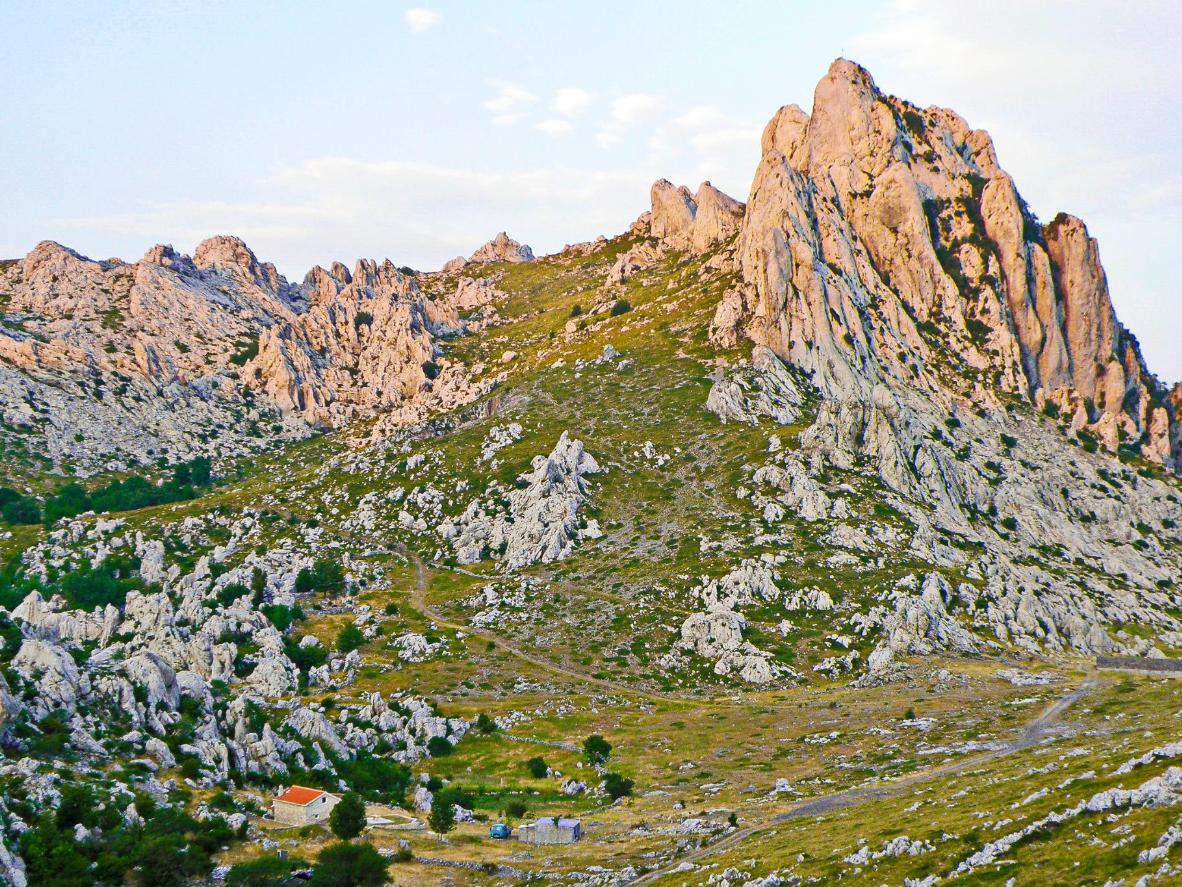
x: 631, y: 109
x: 508, y: 105
x: 701, y: 116
x: 627, y: 111
x: 571, y: 101
x: 555, y: 127
x: 420, y: 20
x: 726, y: 138
x: 419, y: 214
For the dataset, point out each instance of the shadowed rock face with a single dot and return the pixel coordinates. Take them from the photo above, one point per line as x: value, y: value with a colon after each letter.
x: 882, y: 241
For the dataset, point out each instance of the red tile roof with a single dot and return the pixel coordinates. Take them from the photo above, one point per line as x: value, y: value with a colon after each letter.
x: 300, y: 796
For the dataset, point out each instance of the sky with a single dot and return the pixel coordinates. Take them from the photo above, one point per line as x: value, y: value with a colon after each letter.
x: 416, y: 131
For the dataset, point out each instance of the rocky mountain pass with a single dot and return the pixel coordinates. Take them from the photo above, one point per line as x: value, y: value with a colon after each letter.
x: 775, y: 542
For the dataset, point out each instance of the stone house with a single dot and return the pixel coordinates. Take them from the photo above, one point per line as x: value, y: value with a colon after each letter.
x: 551, y: 830
x: 303, y: 806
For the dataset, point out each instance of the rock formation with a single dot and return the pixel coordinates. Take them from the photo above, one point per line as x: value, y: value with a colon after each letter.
x: 883, y: 242
x: 693, y: 222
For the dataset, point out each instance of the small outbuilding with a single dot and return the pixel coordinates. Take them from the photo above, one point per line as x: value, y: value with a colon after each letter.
x: 303, y: 806
x: 551, y: 830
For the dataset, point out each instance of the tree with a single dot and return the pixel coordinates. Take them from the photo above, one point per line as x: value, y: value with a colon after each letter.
x: 182, y: 474
x: 596, y: 748
x: 258, y: 585
x: 439, y: 747
x: 537, y: 768
x: 350, y: 638
x: 201, y: 470
x: 329, y: 575
x: 349, y: 865
x: 347, y: 819
x: 442, y: 817
x: 305, y: 581
x: 616, y: 786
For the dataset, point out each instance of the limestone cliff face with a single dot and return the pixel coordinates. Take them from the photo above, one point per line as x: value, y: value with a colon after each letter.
x: 695, y: 222
x: 882, y: 242
x: 364, y: 344
x: 116, y: 362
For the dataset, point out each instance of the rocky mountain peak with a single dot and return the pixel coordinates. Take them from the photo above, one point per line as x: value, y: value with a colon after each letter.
x: 502, y: 248
x: 231, y: 255
x: 883, y: 242
x: 165, y: 256
x: 696, y: 222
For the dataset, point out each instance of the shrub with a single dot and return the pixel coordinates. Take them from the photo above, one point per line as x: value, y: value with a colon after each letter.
x: 597, y: 749
x: 305, y: 658
x: 231, y: 592
x: 620, y: 307
x: 349, y: 865
x: 439, y: 747
x: 516, y: 808
x: 350, y: 638
x: 616, y: 786
x: 246, y: 351
x: 21, y: 510
x: 305, y: 581
x: 537, y: 768
x: 281, y: 615
x: 265, y: 871
x: 1010, y: 523
x: 258, y: 584
x: 485, y: 724
x: 378, y: 779
x: 347, y: 819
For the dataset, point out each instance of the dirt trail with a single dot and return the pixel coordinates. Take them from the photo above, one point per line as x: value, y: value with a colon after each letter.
x: 419, y: 600
x: 1032, y: 733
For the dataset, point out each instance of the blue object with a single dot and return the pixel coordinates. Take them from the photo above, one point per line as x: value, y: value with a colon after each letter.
x: 500, y: 831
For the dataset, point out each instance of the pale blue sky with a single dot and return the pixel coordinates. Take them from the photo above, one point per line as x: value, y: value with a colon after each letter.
x: 417, y: 130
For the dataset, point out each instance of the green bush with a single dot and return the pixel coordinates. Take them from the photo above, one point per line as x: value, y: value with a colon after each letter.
x: 349, y: 865
x: 266, y: 871
x: 597, y: 749
x: 305, y: 658
x: 231, y: 592
x: 537, y: 768
x: 378, y: 779
x: 485, y: 724
x: 620, y: 307
x: 439, y: 747
x: 616, y: 786
x: 23, y: 510
x: 350, y: 638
